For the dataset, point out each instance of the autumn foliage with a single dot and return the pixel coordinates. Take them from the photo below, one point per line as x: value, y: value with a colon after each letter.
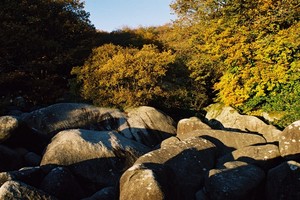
x: 124, y: 77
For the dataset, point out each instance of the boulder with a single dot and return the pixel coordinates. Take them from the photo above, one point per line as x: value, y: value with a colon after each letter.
x: 32, y: 159
x: 265, y: 156
x: 189, y: 160
x: 236, y: 181
x: 226, y: 141
x: 289, y: 142
x: 10, y: 160
x: 52, y: 119
x: 189, y: 125
x: 8, y: 124
x: 31, y: 176
x: 108, y: 193
x: 283, y: 181
x: 97, y: 158
x: 148, y: 181
x: 61, y: 183
x: 149, y: 126
x: 227, y: 118
x: 19, y: 190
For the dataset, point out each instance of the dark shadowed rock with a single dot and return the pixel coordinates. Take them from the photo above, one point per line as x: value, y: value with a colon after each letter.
x: 61, y: 183
x: 236, y: 181
x: 289, y: 142
x: 9, y: 159
x: 108, y: 193
x: 32, y: 159
x: 147, y: 181
x: 226, y: 141
x: 284, y: 181
x: 97, y: 158
x: 265, y: 156
x: 17, y: 190
x: 52, y: 119
x: 8, y: 124
x: 189, y: 160
x: 191, y: 124
x: 227, y: 118
x: 31, y: 176
x: 149, y: 126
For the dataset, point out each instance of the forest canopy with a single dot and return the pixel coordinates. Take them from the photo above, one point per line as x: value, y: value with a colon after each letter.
x: 242, y: 53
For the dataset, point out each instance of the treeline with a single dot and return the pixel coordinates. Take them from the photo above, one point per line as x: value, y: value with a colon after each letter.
x: 240, y: 52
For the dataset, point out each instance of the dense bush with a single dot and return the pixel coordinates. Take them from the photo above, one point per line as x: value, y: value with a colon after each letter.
x: 123, y: 77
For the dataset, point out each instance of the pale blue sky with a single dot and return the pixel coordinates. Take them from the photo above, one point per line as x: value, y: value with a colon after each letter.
x: 109, y: 15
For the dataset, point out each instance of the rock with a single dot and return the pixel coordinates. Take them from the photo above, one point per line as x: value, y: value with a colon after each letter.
x: 283, y: 181
x: 265, y: 156
x: 237, y: 181
x: 189, y: 125
x: 227, y: 118
x: 149, y: 126
x: 289, y: 142
x: 201, y: 195
x: 147, y: 181
x: 189, y: 160
x: 52, y: 119
x: 10, y: 160
x: 8, y: 124
x: 226, y: 141
x: 19, y: 190
x: 61, y: 183
x: 31, y: 176
x: 169, y: 141
x: 32, y: 159
x: 108, y: 193
x: 97, y: 158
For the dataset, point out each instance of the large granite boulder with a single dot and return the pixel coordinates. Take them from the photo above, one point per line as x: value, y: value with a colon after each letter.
x: 283, y: 181
x: 189, y: 125
x: 149, y: 126
x: 52, y: 119
x: 289, y: 142
x: 227, y: 118
x: 189, y: 160
x: 61, y: 183
x: 226, y: 141
x: 19, y: 190
x: 97, y: 158
x: 8, y: 124
x: 9, y: 159
x: 148, y: 181
x: 265, y: 156
x: 237, y: 180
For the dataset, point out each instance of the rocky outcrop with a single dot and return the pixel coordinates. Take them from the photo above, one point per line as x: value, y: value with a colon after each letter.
x: 236, y: 181
x: 79, y: 151
x: 189, y: 125
x: 289, y: 142
x: 283, y: 181
x: 8, y: 124
x: 265, y: 156
x: 227, y: 118
x: 19, y: 190
x: 189, y: 160
x: 52, y: 119
x: 97, y: 157
x: 149, y: 126
x: 226, y: 141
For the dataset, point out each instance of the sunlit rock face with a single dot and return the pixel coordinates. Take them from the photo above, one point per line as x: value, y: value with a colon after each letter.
x: 79, y: 151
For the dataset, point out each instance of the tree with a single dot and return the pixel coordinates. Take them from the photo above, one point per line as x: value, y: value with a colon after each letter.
x: 123, y: 77
x: 41, y: 40
x: 248, y: 50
